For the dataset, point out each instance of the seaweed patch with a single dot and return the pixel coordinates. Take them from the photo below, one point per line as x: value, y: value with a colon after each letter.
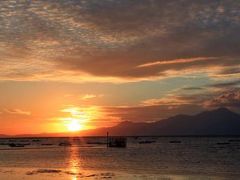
x: 43, y: 171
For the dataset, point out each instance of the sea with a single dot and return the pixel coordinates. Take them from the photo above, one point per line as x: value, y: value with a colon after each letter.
x: 164, y: 158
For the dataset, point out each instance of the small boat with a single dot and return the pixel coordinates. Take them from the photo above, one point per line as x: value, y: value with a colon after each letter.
x: 65, y: 144
x: 146, y: 142
x: 223, y: 143
x: 16, y: 145
x: 46, y: 144
x: 120, y: 142
x: 3, y: 144
x: 98, y: 143
x: 24, y: 140
x: 234, y: 140
x: 36, y: 140
x: 12, y: 140
x: 174, y: 141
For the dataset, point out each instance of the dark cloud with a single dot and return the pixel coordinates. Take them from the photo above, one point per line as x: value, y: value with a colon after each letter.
x: 193, y: 88
x: 226, y: 84
x: 162, y: 31
x: 230, y: 98
x: 113, y: 37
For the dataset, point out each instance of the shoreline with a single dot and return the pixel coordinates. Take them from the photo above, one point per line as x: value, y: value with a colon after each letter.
x: 59, y: 173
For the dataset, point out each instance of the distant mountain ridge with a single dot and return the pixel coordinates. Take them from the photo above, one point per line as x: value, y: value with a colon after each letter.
x: 218, y: 122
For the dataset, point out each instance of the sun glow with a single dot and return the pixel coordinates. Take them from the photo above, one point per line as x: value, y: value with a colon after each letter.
x: 74, y: 125
x: 78, y: 118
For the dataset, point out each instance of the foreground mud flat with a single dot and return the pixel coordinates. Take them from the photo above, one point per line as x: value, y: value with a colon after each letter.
x: 41, y: 174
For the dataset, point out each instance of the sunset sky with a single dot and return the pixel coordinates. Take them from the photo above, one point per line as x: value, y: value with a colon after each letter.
x: 69, y: 65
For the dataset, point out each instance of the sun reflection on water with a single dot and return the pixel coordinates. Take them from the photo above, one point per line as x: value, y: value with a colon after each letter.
x: 74, y: 163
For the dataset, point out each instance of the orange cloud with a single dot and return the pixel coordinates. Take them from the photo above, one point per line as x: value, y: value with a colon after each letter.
x: 176, y: 61
x: 90, y: 96
x: 17, y: 112
x: 170, y: 100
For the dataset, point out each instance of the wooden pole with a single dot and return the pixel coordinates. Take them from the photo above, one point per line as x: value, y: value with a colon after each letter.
x: 107, y: 140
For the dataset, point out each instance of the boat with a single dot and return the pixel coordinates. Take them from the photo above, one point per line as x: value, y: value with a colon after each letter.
x: 36, y: 140
x: 120, y: 142
x: 174, y: 141
x: 223, y: 143
x: 146, y: 142
x: 65, y: 144
x: 16, y: 145
x: 97, y: 143
x: 234, y: 140
x: 46, y: 144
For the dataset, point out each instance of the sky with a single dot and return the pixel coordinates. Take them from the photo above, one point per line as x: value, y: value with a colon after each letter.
x: 70, y: 65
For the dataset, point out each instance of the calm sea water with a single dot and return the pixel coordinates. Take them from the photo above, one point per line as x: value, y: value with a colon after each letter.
x: 165, y: 158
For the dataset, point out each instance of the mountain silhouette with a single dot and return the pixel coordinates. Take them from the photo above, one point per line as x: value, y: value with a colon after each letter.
x: 216, y: 122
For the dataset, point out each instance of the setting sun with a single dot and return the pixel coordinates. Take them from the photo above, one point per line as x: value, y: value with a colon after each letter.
x: 74, y: 125
x: 76, y: 119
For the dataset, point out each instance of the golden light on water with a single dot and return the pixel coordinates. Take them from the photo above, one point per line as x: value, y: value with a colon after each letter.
x: 74, y: 163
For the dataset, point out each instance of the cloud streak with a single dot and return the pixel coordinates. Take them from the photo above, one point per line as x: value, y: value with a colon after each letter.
x: 17, y: 112
x: 91, y: 96
x: 176, y: 61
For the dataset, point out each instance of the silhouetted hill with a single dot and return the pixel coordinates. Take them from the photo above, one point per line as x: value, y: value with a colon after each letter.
x: 217, y: 122
x: 3, y: 135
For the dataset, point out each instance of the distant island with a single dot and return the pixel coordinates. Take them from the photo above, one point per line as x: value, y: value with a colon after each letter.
x: 218, y: 122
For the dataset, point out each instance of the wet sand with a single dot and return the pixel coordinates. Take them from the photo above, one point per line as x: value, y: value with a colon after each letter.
x: 61, y: 174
